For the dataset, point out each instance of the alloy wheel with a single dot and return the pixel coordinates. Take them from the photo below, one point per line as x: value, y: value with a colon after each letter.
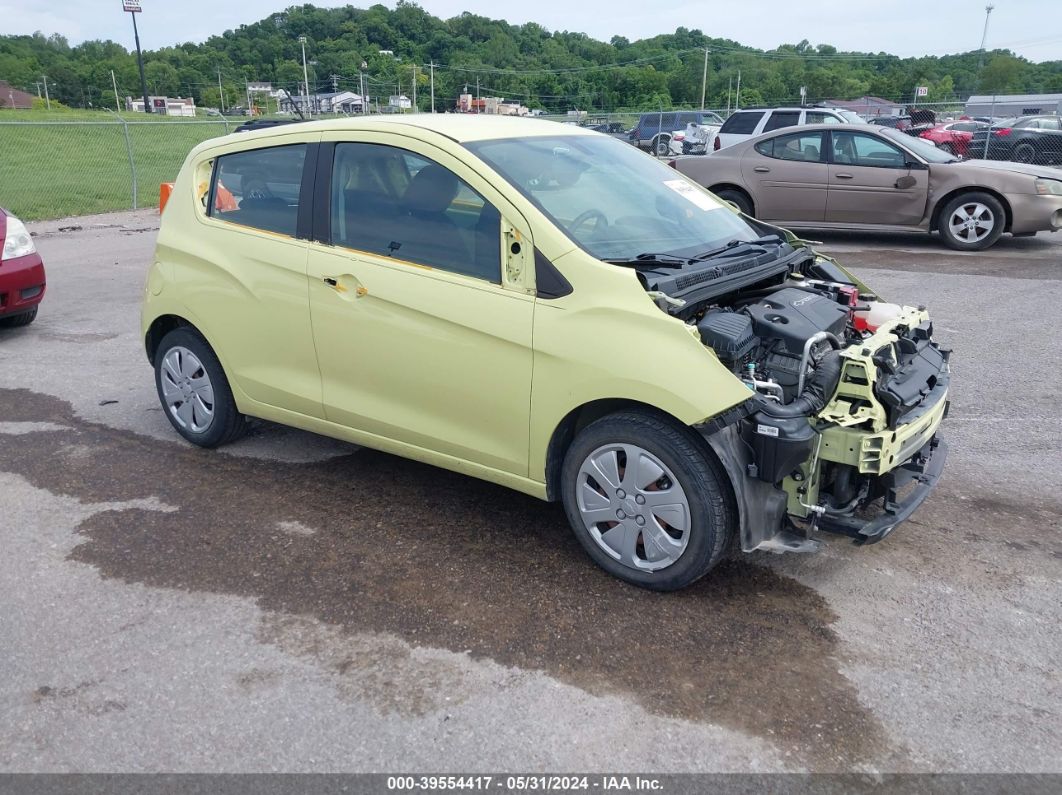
x: 971, y: 222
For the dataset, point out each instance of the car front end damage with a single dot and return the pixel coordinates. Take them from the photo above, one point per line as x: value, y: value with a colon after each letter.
x: 846, y: 397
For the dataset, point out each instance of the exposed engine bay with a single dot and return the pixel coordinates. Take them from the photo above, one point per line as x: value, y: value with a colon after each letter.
x: 846, y: 392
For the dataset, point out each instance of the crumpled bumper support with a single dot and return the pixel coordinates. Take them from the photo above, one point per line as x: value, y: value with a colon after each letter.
x: 925, y: 468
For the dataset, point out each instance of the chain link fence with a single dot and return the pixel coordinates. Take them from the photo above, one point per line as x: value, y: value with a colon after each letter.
x: 53, y: 169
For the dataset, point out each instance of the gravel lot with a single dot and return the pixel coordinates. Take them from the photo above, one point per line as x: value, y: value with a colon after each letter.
x: 296, y: 604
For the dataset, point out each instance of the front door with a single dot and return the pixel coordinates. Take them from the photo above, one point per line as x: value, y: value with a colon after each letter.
x: 871, y: 183
x: 419, y: 337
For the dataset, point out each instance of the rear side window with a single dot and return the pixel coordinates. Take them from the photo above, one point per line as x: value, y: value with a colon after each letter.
x: 742, y: 122
x: 782, y: 118
x: 804, y: 147
x: 259, y: 188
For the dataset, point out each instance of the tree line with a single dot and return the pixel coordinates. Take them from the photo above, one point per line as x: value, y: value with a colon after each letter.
x: 554, y: 71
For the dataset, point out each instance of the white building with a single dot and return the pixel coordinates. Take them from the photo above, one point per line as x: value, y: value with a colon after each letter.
x: 400, y: 101
x: 1014, y: 105
x: 164, y: 106
x: 334, y: 102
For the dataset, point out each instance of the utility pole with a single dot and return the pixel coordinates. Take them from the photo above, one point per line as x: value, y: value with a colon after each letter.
x: 704, y: 78
x: 114, y: 84
x: 305, y: 74
x: 38, y: 84
x: 47, y: 99
x: 221, y: 92
x: 361, y: 76
x: 414, y: 88
x: 433, y: 85
x: 729, y: 88
x: 737, y: 94
x: 984, y: 36
x: 133, y: 7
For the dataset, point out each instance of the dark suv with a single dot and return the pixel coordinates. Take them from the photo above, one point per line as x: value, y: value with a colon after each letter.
x: 653, y: 130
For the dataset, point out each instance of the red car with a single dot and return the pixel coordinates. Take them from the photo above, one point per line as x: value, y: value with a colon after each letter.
x: 953, y: 137
x: 22, y: 280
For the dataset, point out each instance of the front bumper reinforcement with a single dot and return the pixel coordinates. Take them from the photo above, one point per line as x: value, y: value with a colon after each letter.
x: 924, y: 468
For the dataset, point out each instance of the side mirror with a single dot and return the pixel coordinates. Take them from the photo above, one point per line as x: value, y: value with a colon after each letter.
x: 905, y: 182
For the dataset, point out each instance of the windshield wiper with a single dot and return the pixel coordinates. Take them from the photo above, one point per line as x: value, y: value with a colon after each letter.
x: 652, y: 260
x: 736, y: 247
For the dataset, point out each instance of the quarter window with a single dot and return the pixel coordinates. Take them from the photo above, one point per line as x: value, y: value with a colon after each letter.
x: 815, y: 117
x: 805, y: 147
x: 395, y: 203
x: 259, y: 188
x: 859, y: 149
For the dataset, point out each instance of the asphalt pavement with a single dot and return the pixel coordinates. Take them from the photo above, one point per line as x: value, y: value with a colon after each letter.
x: 292, y: 603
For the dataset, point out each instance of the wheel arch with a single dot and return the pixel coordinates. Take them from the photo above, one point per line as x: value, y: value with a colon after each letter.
x: 738, y: 188
x: 581, y: 416
x: 938, y: 208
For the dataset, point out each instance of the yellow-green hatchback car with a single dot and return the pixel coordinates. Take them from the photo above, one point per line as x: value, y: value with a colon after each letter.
x: 550, y: 309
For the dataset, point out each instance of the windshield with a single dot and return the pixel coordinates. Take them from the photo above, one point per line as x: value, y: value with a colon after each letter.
x: 611, y: 199
x: 853, y: 118
x: 921, y: 147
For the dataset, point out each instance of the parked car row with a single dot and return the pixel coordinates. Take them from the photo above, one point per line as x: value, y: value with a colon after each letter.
x: 874, y: 177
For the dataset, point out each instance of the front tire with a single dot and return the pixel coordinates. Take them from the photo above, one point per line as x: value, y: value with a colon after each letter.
x: 972, y: 221
x: 194, y: 391
x: 19, y: 320
x: 647, y: 502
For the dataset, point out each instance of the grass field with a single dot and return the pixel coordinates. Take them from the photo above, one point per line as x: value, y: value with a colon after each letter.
x: 74, y: 163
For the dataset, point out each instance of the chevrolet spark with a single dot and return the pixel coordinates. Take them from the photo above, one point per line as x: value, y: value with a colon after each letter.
x: 552, y: 310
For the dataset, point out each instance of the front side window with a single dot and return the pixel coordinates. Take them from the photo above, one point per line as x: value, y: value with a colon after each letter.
x: 742, y: 122
x: 260, y: 188
x: 858, y: 149
x: 395, y: 203
x: 782, y: 118
x: 805, y: 147
x: 609, y: 198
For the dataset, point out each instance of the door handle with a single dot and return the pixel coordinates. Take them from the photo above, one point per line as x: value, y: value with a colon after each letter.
x: 335, y: 283
x: 761, y: 169
x: 843, y: 176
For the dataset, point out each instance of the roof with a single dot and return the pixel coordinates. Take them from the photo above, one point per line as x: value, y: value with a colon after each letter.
x: 13, y: 98
x: 461, y: 127
x: 987, y: 99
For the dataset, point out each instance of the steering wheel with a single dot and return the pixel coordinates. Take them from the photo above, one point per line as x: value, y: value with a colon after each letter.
x: 585, y: 216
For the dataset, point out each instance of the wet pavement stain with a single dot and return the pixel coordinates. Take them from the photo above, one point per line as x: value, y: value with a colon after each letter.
x: 441, y: 560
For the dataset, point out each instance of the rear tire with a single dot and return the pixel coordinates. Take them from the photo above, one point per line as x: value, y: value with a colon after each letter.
x: 662, y: 534
x: 661, y: 146
x: 738, y: 197
x: 979, y: 209
x: 19, y: 320
x: 194, y: 391
x: 1025, y: 153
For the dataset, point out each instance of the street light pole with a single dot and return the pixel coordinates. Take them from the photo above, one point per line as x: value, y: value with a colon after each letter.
x: 133, y: 7
x: 305, y: 74
x: 47, y: 99
x: 704, y: 79
x: 433, y: 85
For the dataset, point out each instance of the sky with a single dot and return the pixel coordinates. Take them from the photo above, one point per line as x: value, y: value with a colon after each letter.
x: 1031, y: 28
